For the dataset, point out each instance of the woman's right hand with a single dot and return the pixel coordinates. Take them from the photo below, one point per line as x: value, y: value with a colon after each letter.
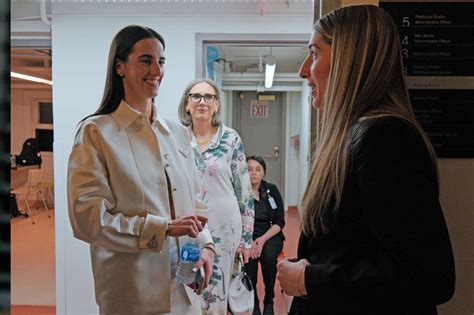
x: 189, y: 225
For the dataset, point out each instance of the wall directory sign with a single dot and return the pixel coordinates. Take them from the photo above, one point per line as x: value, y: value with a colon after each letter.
x: 437, y: 41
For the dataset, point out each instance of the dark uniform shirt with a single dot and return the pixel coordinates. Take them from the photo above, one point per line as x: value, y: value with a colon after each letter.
x: 268, y: 209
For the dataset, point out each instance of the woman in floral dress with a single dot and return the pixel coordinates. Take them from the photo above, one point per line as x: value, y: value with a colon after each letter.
x: 226, y: 187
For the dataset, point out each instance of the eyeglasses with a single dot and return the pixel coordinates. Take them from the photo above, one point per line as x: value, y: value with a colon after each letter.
x: 196, y: 97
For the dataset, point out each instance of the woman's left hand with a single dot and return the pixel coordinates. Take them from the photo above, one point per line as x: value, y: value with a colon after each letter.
x: 246, y: 253
x: 290, y: 277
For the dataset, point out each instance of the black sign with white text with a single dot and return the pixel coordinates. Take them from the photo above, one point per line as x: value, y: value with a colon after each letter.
x: 437, y: 41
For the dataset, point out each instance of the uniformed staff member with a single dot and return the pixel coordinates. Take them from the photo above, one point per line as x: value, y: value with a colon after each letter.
x: 267, y: 234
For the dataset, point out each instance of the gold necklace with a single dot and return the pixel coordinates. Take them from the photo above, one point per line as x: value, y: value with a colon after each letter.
x: 204, y: 142
x: 208, y: 139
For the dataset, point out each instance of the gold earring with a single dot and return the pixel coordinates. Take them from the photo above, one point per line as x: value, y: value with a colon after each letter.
x: 187, y: 109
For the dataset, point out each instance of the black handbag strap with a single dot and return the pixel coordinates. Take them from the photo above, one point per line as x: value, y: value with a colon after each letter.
x: 241, y: 262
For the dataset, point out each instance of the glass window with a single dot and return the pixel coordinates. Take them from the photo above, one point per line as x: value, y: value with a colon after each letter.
x: 45, y: 113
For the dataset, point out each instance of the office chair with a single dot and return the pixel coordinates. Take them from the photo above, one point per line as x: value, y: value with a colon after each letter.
x: 33, y: 186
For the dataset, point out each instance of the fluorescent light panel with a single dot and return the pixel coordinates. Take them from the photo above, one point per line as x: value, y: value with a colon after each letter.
x: 30, y: 78
x: 270, y: 65
x: 269, y: 73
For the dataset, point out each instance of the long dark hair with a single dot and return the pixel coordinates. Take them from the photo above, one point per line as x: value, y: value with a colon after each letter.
x: 121, y: 46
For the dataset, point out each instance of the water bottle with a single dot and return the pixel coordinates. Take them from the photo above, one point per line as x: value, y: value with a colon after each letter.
x: 187, y: 259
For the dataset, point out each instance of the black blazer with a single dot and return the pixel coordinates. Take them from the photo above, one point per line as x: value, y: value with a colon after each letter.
x: 388, y: 251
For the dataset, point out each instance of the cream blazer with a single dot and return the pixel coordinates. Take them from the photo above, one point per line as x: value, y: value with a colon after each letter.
x: 118, y: 203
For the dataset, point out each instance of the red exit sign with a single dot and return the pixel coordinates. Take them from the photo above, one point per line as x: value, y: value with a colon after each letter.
x: 258, y: 109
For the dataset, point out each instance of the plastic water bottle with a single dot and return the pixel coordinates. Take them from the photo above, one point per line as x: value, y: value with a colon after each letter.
x: 187, y: 259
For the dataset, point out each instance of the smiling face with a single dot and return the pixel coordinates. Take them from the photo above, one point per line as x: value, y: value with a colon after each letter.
x: 202, y: 110
x: 315, y: 68
x: 143, y: 71
x: 256, y: 172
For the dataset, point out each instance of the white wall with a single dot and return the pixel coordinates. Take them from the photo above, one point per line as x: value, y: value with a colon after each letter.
x: 21, y: 116
x: 80, y: 48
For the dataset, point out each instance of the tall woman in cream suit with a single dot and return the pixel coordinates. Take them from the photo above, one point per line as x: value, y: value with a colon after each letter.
x: 132, y: 185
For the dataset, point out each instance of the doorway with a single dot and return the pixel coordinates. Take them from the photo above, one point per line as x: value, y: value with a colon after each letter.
x: 261, y: 126
x: 237, y: 62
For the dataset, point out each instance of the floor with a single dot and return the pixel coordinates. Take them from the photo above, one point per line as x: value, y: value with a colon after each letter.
x: 33, y: 263
x: 33, y: 286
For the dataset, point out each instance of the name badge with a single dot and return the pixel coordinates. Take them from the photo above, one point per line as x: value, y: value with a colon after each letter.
x: 272, y: 202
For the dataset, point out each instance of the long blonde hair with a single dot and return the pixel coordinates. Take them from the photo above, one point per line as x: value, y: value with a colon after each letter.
x: 365, y: 82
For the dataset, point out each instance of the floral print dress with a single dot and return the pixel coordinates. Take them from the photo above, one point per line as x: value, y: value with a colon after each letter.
x: 226, y: 189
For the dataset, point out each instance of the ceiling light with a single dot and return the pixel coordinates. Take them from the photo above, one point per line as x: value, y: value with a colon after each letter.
x: 270, y: 65
x: 30, y: 78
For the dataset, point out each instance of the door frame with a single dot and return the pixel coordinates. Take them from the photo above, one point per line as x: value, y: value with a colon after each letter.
x: 204, y: 39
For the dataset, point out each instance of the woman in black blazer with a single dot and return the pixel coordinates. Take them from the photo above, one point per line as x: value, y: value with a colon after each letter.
x: 374, y: 239
x: 267, y: 233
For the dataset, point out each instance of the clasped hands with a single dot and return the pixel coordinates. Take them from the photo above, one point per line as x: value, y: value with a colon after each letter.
x: 257, y: 247
x: 191, y: 226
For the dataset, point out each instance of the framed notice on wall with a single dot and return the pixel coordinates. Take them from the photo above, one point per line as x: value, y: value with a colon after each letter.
x: 437, y: 41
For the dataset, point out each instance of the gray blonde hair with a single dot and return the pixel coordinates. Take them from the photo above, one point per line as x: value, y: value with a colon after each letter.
x: 365, y: 82
x: 184, y: 116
